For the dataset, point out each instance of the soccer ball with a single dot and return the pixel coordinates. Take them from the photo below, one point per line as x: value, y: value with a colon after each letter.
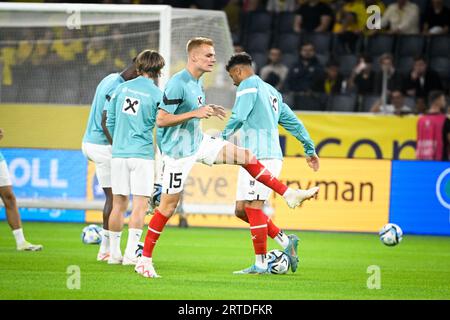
x: 139, y: 250
x: 391, y: 234
x: 278, y: 262
x: 91, y: 234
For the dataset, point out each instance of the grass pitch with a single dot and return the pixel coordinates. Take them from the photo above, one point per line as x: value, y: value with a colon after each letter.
x: 197, y: 263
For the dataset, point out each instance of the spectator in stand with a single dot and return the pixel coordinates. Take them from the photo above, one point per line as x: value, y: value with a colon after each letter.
x: 396, y: 107
x: 420, y: 82
x: 313, y: 16
x: 66, y: 50
x: 437, y: 18
x: 347, y: 30
x: 274, y: 72
x: 329, y: 82
x: 362, y: 78
x: 401, y: 18
x: 276, y: 6
x: 433, y: 129
x: 301, y: 75
x: 395, y: 79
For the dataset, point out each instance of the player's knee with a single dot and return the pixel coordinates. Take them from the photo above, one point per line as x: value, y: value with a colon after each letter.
x: 248, y: 156
x: 240, y: 213
x: 9, y: 199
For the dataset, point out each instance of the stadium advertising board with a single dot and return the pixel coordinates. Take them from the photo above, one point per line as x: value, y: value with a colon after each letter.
x: 357, y: 136
x: 353, y: 196
x: 47, y: 174
x: 420, y: 196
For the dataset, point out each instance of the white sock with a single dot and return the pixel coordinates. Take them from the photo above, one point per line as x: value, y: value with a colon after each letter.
x: 261, y: 261
x: 104, y: 246
x: 282, y: 239
x: 18, y: 235
x: 114, y: 243
x: 134, y: 235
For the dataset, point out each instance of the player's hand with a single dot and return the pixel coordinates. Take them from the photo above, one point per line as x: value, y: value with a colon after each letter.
x: 219, y: 111
x: 1, y: 133
x: 313, y: 162
x: 204, y: 112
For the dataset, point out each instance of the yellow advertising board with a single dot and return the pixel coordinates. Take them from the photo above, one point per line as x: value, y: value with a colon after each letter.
x: 364, y: 136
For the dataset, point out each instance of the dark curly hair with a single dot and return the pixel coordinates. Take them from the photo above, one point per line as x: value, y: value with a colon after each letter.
x: 239, y: 58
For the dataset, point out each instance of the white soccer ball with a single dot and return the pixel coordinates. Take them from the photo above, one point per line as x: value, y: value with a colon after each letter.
x: 391, y: 234
x: 91, y: 234
x: 278, y: 262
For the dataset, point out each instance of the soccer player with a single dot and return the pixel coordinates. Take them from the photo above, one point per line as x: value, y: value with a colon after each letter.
x: 131, y: 116
x: 12, y: 213
x: 183, y: 143
x: 96, y: 145
x: 258, y: 110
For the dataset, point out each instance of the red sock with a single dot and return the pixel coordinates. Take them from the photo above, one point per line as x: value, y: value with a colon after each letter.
x: 257, y: 170
x: 155, y: 227
x: 258, y: 229
x: 272, y: 229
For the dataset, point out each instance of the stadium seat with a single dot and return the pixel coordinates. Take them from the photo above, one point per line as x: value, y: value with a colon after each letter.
x: 323, y: 58
x: 342, y: 103
x: 258, y: 42
x: 347, y: 63
x: 422, y: 4
x: 285, y: 22
x: 258, y: 21
x: 409, y: 45
x: 439, y: 46
x: 339, y: 49
x: 368, y: 101
x: 378, y: 44
x: 289, y: 43
x: 442, y: 66
x: 260, y: 59
x: 289, y: 59
x: 404, y: 64
x: 309, y: 103
x: 32, y: 93
x: 320, y: 40
x: 65, y: 84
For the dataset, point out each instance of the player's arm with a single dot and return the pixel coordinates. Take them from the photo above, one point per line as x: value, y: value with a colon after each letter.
x: 111, y: 116
x: 104, y: 117
x: 166, y: 119
x: 245, y: 101
x: 294, y: 125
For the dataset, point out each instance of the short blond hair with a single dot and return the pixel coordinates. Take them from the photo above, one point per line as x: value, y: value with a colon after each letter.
x: 197, y: 42
x: 150, y: 62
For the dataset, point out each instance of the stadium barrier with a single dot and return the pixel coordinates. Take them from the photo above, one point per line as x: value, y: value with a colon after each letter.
x: 356, y: 195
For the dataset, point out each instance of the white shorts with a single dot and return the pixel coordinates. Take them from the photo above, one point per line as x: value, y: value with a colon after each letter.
x: 132, y: 176
x: 249, y: 189
x: 4, y: 175
x: 176, y: 171
x: 101, y: 155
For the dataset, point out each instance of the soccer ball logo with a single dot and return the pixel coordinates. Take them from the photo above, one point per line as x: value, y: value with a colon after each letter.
x: 278, y: 262
x: 391, y: 234
x: 91, y: 234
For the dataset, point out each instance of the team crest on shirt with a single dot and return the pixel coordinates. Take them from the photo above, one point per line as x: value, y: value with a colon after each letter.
x: 131, y: 106
x: 274, y: 103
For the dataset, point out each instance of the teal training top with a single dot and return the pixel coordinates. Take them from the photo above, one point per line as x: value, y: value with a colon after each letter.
x: 131, y: 117
x: 258, y: 110
x: 94, y: 131
x: 183, y: 93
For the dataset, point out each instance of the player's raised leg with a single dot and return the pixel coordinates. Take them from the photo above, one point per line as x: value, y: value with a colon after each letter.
x: 232, y: 154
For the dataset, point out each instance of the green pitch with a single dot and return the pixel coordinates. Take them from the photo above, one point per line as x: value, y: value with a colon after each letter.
x: 197, y: 263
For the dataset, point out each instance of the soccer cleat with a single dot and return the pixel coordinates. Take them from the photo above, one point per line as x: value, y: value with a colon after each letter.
x: 144, y: 267
x: 253, y: 270
x: 103, y: 256
x: 291, y: 251
x: 115, y: 260
x: 128, y: 261
x: 295, y: 198
x: 26, y: 246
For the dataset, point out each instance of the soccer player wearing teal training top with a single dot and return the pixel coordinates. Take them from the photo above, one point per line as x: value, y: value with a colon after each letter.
x: 131, y: 117
x: 258, y: 110
x: 12, y: 213
x: 96, y: 145
x: 183, y: 143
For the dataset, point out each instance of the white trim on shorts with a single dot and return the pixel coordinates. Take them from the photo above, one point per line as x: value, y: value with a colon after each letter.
x: 5, y: 180
x: 101, y: 155
x: 176, y: 171
x: 248, y: 189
